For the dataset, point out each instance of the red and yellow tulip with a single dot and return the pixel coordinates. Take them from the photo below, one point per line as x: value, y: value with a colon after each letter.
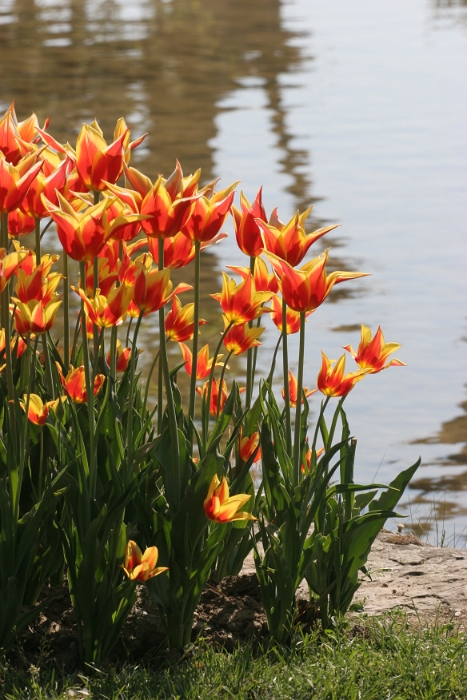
x: 239, y: 339
x: 152, y: 288
x: 139, y: 566
x: 293, y: 390
x: 241, y: 303
x: 221, y: 507
x: 15, y: 180
x: 179, y: 322
x: 247, y: 446
x: 208, y: 215
x: 332, y: 381
x: 75, y: 383
x: 204, y: 362
x: 108, y: 310
x: 218, y: 397
x: 372, y: 353
x: 37, y: 410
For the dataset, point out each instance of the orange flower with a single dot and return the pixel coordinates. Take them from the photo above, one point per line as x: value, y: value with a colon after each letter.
x: 218, y: 398
x: 108, y: 310
x: 293, y: 389
x: 373, y: 353
x: 332, y: 382
x: 264, y: 280
x: 123, y: 357
x: 15, y: 180
x: 239, y: 339
x: 208, y: 215
x: 33, y: 204
x: 166, y: 204
x: 19, y: 224
x: 38, y: 283
x: 139, y: 566
x: 75, y: 383
x: 204, y: 363
x: 306, y: 466
x: 179, y: 323
x: 9, y: 264
x: 307, y: 288
x: 221, y: 507
x: 35, y: 316
x: 289, y: 241
x: 16, y: 137
x: 96, y: 162
x: 17, y: 344
x: 247, y: 231
x: 37, y: 410
x: 152, y: 288
x: 84, y: 233
x: 247, y: 447
x: 179, y: 250
x: 292, y: 317
x: 241, y: 303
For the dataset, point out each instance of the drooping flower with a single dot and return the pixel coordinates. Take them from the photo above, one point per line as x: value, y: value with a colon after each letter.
x: 37, y: 410
x: 204, y: 362
x: 332, y: 381
x: 372, y: 353
x: 241, y: 303
x: 221, y: 507
x: 179, y: 322
x: 75, y: 383
x: 293, y: 390
x: 306, y: 289
x: 247, y: 447
x: 289, y: 241
x: 239, y: 339
x: 139, y: 566
x: 247, y: 231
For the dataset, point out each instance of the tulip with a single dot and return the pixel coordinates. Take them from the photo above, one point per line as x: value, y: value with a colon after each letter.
x: 166, y: 204
x: 241, y: 303
x: 373, y: 353
x: 16, y: 342
x: 217, y: 398
x: 35, y: 316
x: 306, y: 466
x: 16, y: 137
x: 204, y: 363
x: 20, y: 224
x: 37, y: 410
x: 38, y: 283
x: 9, y: 264
x: 15, y: 180
x: 247, y: 231
x: 75, y: 383
x: 264, y: 280
x: 247, y: 446
x: 221, y: 507
x: 289, y: 241
x: 96, y: 162
x: 48, y: 186
x: 179, y: 322
x: 108, y: 310
x: 152, y: 288
x: 307, y: 288
x: 293, y: 390
x: 123, y: 357
x: 139, y: 566
x: 179, y: 250
x: 106, y: 275
x: 208, y: 215
x: 332, y: 381
x: 239, y: 339
x: 292, y: 317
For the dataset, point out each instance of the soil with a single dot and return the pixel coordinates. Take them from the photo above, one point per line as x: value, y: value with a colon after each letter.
x: 429, y: 583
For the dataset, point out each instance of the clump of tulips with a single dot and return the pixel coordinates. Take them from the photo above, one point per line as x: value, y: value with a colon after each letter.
x: 96, y: 485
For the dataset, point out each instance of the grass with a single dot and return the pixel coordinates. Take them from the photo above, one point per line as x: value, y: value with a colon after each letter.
x: 380, y: 659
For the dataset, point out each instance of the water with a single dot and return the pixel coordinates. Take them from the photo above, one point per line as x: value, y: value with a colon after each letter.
x: 358, y: 108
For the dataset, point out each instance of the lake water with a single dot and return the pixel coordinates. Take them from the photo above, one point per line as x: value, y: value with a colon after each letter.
x: 359, y: 108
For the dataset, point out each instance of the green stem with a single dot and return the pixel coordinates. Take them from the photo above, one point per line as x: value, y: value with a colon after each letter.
x: 249, y: 358
x: 148, y: 381
x: 285, y: 365
x: 220, y: 382
x: 191, y: 408
x: 89, y: 386
x: 273, y: 363
x: 5, y: 315
x: 66, y: 315
x: 47, y: 365
x: 298, y: 409
x: 160, y: 373
x: 37, y: 235
x: 129, y: 433
x: 168, y: 389
x: 211, y: 377
x: 334, y: 423
x: 113, y: 355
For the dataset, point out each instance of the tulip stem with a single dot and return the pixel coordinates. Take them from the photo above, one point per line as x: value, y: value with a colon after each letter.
x: 211, y: 378
x: 285, y: 365
x: 37, y: 234
x: 89, y: 388
x: 5, y: 311
x: 298, y: 409
x: 66, y: 315
x: 129, y: 430
x: 191, y: 408
x: 148, y: 381
x: 273, y: 363
x: 168, y: 388
x: 220, y: 383
x: 249, y: 357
